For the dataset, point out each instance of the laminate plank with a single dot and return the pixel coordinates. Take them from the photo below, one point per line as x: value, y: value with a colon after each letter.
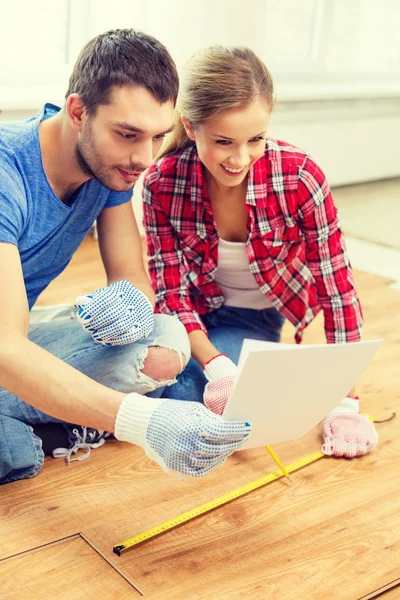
x: 338, y: 517
x: 333, y: 533
x: 63, y: 570
x: 390, y: 591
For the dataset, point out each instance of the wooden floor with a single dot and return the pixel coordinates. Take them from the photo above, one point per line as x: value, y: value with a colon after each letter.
x: 334, y: 533
x: 364, y: 210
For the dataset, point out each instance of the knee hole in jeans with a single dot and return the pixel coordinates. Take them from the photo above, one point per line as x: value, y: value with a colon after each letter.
x: 162, y: 364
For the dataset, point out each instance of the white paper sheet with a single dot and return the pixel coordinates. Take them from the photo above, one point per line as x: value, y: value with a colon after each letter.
x: 284, y: 390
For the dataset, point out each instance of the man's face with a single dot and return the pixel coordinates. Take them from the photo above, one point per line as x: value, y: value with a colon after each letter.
x: 121, y: 139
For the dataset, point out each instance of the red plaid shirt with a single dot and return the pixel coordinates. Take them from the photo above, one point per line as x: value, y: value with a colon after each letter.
x: 295, y: 246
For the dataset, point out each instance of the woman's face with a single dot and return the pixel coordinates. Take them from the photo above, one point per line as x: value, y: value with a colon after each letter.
x: 230, y: 143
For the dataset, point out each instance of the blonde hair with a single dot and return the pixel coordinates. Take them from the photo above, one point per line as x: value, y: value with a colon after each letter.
x: 214, y: 80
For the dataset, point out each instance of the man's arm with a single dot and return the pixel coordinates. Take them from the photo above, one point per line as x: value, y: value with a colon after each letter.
x: 35, y: 375
x: 45, y: 382
x: 121, y: 248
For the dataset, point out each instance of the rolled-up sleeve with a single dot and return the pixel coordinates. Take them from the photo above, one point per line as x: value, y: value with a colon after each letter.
x: 327, y: 257
x: 166, y: 261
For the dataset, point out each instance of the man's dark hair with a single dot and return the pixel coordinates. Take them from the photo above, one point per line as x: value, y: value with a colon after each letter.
x: 123, y: 57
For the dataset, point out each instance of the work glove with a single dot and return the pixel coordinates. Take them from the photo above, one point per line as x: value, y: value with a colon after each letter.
x: 346, y: 432
x: 220, y: 372
x: 116, y: 315
x: 184, y: 438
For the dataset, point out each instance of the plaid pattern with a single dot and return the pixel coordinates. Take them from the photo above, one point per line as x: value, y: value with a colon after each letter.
x: 295, y: 246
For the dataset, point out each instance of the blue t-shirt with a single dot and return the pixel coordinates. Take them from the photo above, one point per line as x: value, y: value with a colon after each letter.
x: 46, y: 231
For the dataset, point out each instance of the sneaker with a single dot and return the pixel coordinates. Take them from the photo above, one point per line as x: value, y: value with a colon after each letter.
x: 81, y: 438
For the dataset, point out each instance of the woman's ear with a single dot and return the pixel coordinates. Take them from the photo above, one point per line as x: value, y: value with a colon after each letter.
x: 188, y: 128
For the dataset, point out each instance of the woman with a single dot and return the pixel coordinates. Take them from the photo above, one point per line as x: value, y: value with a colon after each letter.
x: 242, y: 233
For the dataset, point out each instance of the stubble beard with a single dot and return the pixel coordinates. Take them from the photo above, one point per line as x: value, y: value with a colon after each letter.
x: 90, y: 163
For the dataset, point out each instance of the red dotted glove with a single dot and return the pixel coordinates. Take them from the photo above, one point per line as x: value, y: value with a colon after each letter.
x: 220, y: 372
x: 346, y: 432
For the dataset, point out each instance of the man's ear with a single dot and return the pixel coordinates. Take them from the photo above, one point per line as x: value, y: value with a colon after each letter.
x: 188, y: 128
x: 75, y: 111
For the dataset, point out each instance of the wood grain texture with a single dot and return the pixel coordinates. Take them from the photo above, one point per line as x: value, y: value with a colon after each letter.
x: 66, y: 569
x: 390, y: 595
x: 393, y: 594
x: 333, y: 533
x: 390, y: 591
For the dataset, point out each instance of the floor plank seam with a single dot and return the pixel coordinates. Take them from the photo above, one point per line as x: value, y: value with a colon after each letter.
x: 382, y: 590
x: 78, y: 534
x: 37, y: 548
x: 112, y: 565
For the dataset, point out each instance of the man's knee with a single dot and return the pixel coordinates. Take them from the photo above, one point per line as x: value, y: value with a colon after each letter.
x: 163, y: 364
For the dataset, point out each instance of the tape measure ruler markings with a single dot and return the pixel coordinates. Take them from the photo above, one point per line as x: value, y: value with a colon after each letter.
x: 212, y: 504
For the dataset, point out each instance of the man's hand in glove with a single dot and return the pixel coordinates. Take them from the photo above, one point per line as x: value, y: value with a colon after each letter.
x: 116, y: 315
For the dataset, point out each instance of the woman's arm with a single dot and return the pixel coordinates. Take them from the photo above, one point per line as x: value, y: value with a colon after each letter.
x: 168, y: 270
x: 167, y: 264
x: 326, y: 256
x: 202, y: 349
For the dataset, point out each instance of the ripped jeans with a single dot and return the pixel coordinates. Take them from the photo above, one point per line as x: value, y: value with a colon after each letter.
x: 117, y: 367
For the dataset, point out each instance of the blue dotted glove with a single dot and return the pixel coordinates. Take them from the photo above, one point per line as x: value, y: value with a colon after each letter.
x: 184, y: 438
x: 116, y: 315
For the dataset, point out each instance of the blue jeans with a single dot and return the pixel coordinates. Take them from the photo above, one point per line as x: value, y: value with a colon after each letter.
x: 118, y: 367
x: 227, y: 327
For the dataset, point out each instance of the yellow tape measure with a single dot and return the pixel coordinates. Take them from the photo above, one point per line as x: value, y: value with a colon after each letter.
x: 204, y: 508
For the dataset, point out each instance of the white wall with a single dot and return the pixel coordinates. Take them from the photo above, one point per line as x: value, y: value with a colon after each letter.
x: 352, y: 140
x: 316, y: 43
x: 336, y: 64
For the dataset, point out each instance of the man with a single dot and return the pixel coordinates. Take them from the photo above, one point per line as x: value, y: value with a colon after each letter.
x: 59, y: 171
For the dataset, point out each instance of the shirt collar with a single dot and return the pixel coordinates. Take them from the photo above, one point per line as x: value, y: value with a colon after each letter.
x: 256, y: 184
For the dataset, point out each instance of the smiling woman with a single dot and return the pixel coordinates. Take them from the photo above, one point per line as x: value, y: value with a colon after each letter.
x: 230, y: 154
x: 265, y: 239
